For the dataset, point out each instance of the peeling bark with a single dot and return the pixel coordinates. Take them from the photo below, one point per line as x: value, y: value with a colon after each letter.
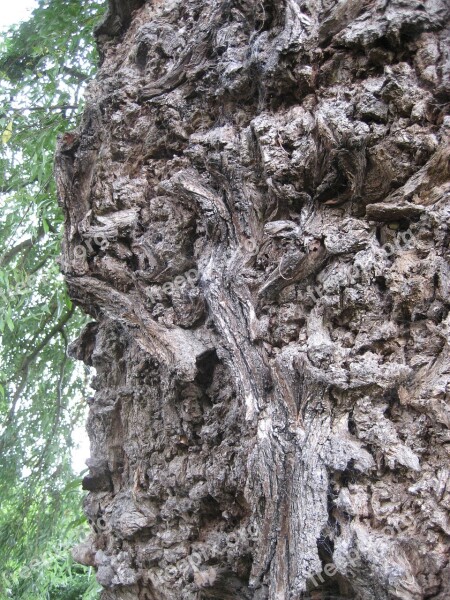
x: 257, y: 220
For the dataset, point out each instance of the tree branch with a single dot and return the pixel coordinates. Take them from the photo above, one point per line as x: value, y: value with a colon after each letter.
x: 25, y: 244
x: 75, y: 73
x: 24, y: 367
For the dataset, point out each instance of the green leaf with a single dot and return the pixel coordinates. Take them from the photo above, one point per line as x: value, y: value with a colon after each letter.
x: 10, y: 323
x: 7, y: 133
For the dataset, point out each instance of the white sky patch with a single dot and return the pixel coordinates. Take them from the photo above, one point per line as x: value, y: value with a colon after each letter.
x: 81, y: 452
x: 15, y: 11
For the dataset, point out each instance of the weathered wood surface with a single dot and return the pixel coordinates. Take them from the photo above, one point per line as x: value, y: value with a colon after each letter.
x: 257, y: 208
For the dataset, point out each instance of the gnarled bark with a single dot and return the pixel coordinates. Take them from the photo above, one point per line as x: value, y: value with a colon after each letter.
x: 257, y: 221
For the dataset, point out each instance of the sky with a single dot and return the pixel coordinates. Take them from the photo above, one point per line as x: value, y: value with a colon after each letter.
x: 13, y: 11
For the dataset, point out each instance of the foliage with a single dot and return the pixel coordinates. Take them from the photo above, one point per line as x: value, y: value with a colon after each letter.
x: 44, y: 65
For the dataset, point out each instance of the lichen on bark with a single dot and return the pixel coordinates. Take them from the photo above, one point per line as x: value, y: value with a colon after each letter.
x: 257, y: 206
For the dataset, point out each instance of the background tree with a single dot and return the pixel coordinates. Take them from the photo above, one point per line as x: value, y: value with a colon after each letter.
x: 45, y: 63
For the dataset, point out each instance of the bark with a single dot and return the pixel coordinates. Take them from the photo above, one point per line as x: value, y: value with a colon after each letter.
x: 257, y: 213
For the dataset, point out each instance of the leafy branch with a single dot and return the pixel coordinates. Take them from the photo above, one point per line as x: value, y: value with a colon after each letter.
x: 44, y: 66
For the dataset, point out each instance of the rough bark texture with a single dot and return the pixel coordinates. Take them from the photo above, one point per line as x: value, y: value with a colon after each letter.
x: 271, y: 309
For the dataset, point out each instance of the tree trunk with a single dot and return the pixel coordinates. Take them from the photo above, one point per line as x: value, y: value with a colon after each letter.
x: 257, y: 220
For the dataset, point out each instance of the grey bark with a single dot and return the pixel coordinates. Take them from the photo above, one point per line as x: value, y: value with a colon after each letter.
x: 257, y: 214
